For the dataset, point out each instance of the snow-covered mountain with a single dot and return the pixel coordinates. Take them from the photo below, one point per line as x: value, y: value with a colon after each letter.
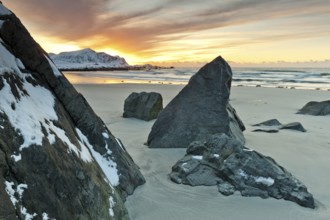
x: 87, y: 59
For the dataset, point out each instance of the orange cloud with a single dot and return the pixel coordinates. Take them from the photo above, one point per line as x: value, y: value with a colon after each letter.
x: 170, y: 29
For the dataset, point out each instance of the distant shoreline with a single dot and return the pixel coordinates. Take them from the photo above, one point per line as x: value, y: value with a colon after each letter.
x: 144, y: 68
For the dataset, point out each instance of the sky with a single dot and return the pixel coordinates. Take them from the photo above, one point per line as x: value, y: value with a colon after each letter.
x: 184, y: 31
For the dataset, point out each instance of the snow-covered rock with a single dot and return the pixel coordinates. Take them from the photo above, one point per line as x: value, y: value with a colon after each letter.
x: 87, y: 59
x: 58, y: 160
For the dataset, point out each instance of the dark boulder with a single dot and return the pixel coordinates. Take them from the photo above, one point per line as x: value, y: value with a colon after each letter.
x: 201, y: 108
x: 227, y: 163
x: 316, y: 108
x: 58, y: 160
x: 145, y: 106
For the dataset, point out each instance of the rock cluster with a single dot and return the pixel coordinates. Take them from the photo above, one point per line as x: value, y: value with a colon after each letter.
x: 144, y: 106
x: 316, y: 108
x: 201, y: 108
x: 227, y: 163
x: 58, y: 160
x: 201, y: 118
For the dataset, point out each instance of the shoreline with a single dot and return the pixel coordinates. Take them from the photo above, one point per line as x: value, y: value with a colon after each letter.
x: 81, y: 79
x: 305, y: 155
x: 293, y: 79
x: 124, y: 69
x: 118, y: 81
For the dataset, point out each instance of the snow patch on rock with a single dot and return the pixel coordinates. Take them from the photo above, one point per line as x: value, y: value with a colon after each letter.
x: 19, y: 191
x: 56, y: 72
x: 267, y: 181
x: 11, y: 192
x: 45, y: 216
x: 112, y: 205
x: 32, y: 111
x: 109, y: 167
x: 8, y: 63
x: 4, y: 10
x: 198, y: 157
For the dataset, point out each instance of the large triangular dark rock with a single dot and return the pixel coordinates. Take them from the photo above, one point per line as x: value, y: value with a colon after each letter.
x: 227, y: 163
x: 58, y: 160
x: 201, y: 108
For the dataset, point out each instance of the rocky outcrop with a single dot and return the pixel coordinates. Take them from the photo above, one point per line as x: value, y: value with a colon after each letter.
x: 316, y: 108
x: 57, y: 158
x: 227, y: 163
x: 201, y: 108
x: 201, y: 118
x: 273, y: 126
x: 145, y: 106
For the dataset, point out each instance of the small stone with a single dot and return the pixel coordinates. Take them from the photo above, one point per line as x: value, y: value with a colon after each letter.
x: 254, y: 192
x: 226, y: 188
x: 271, y: 122
x: 175, y: 178
x: 196, y: 148
x: 267, y: 130
x: 80, y: 175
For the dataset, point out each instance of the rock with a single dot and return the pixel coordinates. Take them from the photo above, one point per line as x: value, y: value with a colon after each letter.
x: 254, y: 192
x: 145, y: 106
x: 273, y: 126
x: 267, y: 130
x: 271, y: 122
x: 58, y: 159
x: 236, y: 125
x: 226, y: 188
x: 294, y: 126
x: 227, y: 163
x: 316, y: 108
x: 196, y: 148
x: 201, y: 108
x: 269, y: 126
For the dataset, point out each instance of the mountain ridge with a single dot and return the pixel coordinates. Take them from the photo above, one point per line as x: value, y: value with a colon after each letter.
x: 87, y: 59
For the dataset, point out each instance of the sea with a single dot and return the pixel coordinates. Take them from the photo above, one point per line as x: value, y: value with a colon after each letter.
x: 291, y: 78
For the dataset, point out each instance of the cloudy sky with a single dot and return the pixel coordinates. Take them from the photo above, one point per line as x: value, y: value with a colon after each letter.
x: 242, y: 31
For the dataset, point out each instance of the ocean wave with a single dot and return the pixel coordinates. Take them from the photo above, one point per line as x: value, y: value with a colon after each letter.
x: 306, y: 78
x: 284, y: 71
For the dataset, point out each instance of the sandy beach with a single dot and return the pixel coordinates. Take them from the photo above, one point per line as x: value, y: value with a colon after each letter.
x: 305, y: 155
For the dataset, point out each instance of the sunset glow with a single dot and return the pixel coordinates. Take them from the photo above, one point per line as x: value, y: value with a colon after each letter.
x: 167, y: 31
